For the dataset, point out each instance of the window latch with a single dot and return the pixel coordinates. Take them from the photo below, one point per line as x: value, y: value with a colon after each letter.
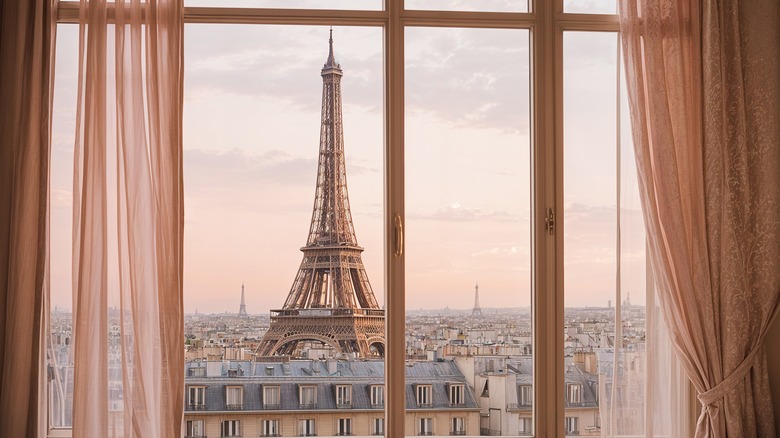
x: 549, y: 221
x: 399, y: 236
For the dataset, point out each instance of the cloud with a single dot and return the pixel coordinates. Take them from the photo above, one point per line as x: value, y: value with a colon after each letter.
x: 457, y: 213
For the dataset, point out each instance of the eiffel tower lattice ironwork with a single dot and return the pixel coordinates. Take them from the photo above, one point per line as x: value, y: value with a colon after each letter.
x: 242, y: 307
x: 331, y: 300
x: 476, y: 311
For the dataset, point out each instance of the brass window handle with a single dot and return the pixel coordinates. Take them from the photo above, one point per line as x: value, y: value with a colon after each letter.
x: 399, y: 236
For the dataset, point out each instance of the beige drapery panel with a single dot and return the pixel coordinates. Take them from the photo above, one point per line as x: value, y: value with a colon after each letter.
x: 26, y: 78
x: 128, y: 219
x: 703, y: 89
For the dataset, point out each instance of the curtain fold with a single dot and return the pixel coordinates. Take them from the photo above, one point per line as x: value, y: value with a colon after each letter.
x: 703, y: 92
x: 26, y: 80
x: 128, y: 221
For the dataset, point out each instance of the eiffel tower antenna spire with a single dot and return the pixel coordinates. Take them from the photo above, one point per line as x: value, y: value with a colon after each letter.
x: 331, y: 300
x: 477, y: 311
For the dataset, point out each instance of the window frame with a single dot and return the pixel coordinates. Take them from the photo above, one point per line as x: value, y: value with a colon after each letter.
x: 546, y: 21
x: 265, y: 429
x: 196, y: 389
x: 234, y: 406
x: 305, y: 388
x: 278, y: 396
x: 343, y: 396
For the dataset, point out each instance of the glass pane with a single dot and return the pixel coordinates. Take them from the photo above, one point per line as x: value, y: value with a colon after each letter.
x: 590, y: 6
x: 60, y: 385
x: 604, y: 269
x: 366, y: 5
x: 469, y: 5
x: 284, y: 266
x: 468, y: 252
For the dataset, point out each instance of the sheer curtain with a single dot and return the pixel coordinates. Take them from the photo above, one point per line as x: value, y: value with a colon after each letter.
x: 703, y: 87
x: 26, y: 79
x: 128, y: 221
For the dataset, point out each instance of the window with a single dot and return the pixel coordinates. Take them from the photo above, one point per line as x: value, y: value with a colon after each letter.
x: 574, y: 393
x: 378, y: 426
x: 424, y: 395
x: 526, y: 395
x: 307, y: 396
x: 526, y: 426
x: 306, y: 427
x: 270, y: 428
x: 537, y: 143
x: 572, y: 425
x: 458, y: 426
x: 196, y: 398
x: 271, y: 397
x: 456, y: 394
x: 231, y: 428
x: 195, y: 429
x: 344, y: 396
x: 377, y: 396
x: 234, y: 397
x: 344, y: 427
x: 425, y: 426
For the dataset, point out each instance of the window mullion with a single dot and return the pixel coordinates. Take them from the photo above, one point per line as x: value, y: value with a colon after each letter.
x: 547, y: 300
x: 395, y: 301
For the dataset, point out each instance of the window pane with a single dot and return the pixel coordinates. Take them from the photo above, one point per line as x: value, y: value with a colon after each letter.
x: 604, y: 277
x: 60, y: 387
x: 590, y: 6
x: 269, y: 217
x: 469, y: 5
x: 468, y: 256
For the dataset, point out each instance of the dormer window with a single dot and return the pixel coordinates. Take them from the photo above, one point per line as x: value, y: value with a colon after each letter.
x: 196, y: 398
x: 271, y: 397
x: 457, y: 394
x: 307, y: 396
x: 343, y: 396
x: 377, y: 396
x: 424, y: 395
x: 234, y: 397
x: 574, y: 393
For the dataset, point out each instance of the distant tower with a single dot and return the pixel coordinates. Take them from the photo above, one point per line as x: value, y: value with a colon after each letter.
x: 477, y: 311
x: 242, y: 309
x: 331, y: 300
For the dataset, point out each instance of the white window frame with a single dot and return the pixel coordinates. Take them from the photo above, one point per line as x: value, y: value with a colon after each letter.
x: 457, y: 394
x: 425, y: 426
x: 270, y: 427
x: 307, y: 427
x: 547, y: 22
x: 234, y: 397
x: 574, y: 393
x: 377, y: 395
x: 378, y: 426
x: 526, y: 426
x: 272, y: 396
x: 343, y: 427
x: 572, y: 425
x: 423, y: 395
x: 196, y: 397
x: 343, y: 396
x: 230, y: 428
x: 195, y: 428
x: 458, y: 426
x: 307, y: 396
x: 526, y: 395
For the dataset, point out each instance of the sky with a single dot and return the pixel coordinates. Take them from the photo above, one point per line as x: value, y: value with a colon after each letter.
x: 251, y: 136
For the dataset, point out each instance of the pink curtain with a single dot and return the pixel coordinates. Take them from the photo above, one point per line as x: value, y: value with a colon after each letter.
x: 704, y: 99
x: 26, y: 79
x: 128, y: 221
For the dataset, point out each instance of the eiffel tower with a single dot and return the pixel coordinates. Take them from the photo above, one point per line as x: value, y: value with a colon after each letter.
x: 331, y: 300
x: 476, y: 311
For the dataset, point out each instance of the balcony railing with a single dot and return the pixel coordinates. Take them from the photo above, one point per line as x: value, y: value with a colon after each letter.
x: 196, y: 407
x: 427, y: 433
x: 344, y: 405
x: 271, y: 406
x: 484, y: 431
x: 458, y: 432
x: 312, y: 405
x: 195, y: 436
x: 234, y: 406
x: 519, y: 406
